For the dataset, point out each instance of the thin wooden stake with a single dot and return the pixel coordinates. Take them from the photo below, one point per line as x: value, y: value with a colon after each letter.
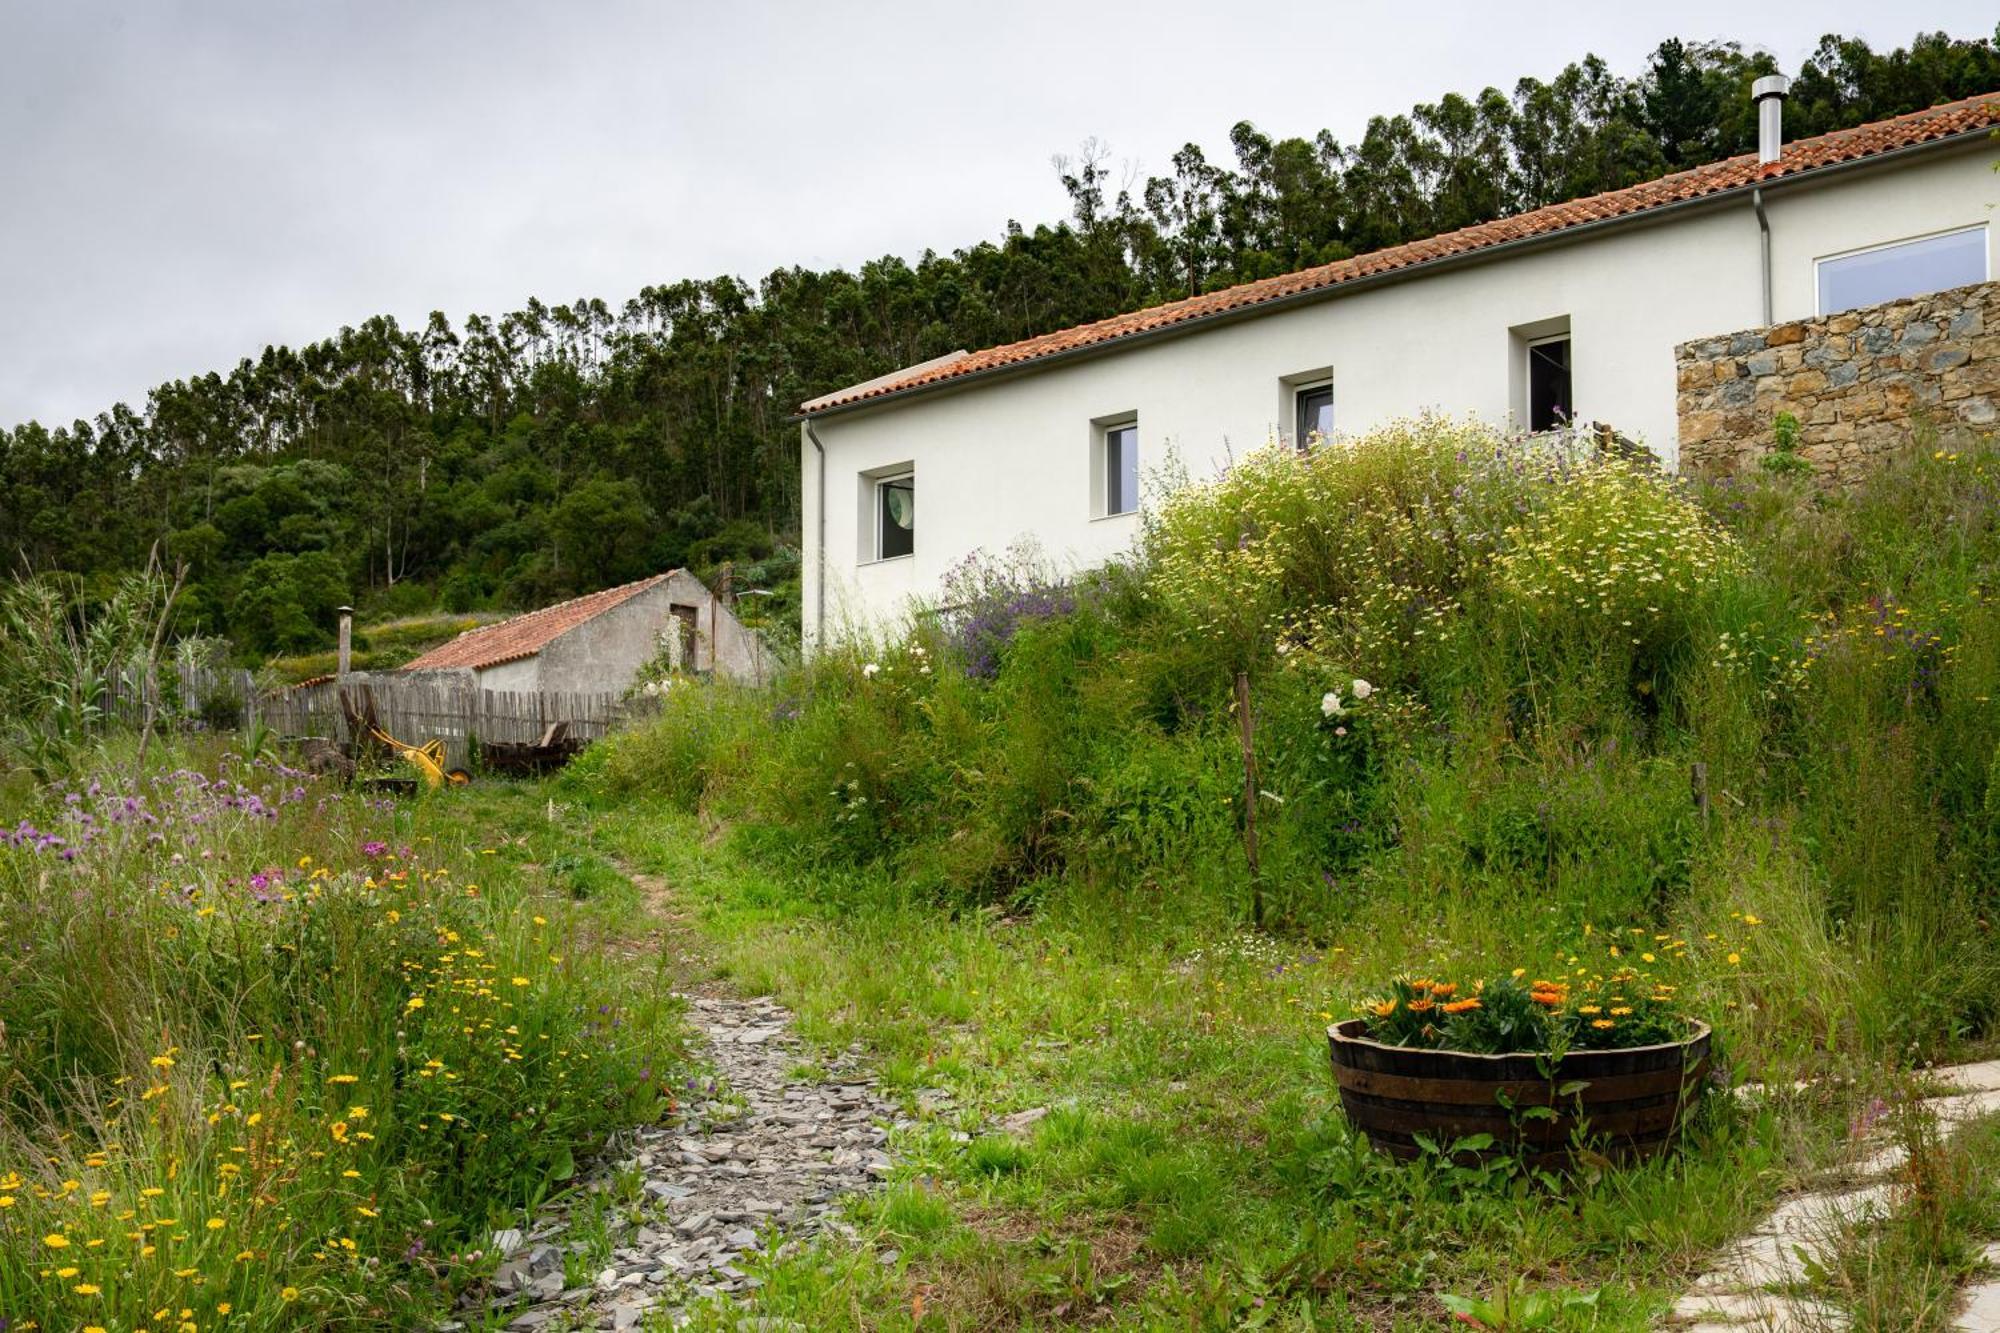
x: 1246, y: 734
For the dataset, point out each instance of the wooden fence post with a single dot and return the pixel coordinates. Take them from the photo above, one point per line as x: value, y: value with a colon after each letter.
x: 1246, y: 735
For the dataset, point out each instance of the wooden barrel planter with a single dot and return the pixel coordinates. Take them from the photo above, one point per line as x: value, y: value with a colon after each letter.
x: 1628, y: 1102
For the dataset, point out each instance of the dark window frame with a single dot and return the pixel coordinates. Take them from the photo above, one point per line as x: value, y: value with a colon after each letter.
x: 1116, y: 438
x: 1551, y: 384
x: 905, y: 537
x: 1304, y: 400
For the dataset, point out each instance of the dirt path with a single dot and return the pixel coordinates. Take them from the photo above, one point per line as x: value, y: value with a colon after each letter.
x: 760, y: 1156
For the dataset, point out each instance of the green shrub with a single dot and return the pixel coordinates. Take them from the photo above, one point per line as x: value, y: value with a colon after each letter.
x: 701, y: 739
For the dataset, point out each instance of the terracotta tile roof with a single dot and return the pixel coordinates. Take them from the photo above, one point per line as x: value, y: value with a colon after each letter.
x: 526, y: 635
x: 1804, y: 156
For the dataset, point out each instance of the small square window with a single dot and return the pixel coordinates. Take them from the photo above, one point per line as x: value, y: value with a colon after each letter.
x: 895, y: 517
x: 1313, y: 417
x: 1121, y: 469
x: 1550, y: 406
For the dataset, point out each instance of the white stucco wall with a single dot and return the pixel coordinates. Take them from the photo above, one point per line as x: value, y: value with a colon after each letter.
x: 523, y: 675
x: 1006, y: 458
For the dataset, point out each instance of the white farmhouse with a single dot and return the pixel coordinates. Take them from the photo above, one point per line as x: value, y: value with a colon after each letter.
x: 1570, y: 312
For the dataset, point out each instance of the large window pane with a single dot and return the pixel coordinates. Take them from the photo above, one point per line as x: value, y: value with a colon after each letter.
x: 1549, y: 402
x: 896, y: 502
x: 1913, y: 268
x: 1121, y: 469
x: 1315, y: 414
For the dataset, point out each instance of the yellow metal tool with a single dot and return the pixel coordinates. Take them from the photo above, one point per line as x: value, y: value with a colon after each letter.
x: 427, y: 759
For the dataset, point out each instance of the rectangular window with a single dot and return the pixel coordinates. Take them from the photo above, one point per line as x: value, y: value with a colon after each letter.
x: 1549, y: 403
x: 1314, y: 414
x: 1907, y: 268
x: 1121, y: 469
x: 895, y: 516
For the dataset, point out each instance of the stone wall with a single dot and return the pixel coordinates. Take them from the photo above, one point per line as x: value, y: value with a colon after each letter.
x: 1858, y: 382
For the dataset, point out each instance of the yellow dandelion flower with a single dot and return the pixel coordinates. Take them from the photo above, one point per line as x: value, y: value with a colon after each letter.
x: 216, y: 1224
x: 289, y: 1294
x: 86, y: 1289
x: 55, y: 1240
x: 521, y: 981
x: 1735, y: 959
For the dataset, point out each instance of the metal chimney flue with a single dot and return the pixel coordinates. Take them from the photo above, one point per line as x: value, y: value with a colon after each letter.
x: 1769, y: 95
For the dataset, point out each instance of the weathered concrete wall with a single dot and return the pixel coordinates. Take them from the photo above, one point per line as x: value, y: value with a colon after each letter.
x: 523, y: 675
x: 1857, y: 381
x: 606, y: 652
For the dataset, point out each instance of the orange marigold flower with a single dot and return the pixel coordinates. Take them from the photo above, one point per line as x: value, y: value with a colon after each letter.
x: 1462, y: 1006
x: 1421, y: 1006
x: 1443, y: 991
x: 1384, y: 1009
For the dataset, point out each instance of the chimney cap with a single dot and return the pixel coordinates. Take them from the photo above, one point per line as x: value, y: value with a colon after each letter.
x: 344, y: 610
x: 1771, y: 85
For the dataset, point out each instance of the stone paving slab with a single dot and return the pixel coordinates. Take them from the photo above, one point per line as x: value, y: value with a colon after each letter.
x: 1981, y: 1311
x: 1742, y: 1289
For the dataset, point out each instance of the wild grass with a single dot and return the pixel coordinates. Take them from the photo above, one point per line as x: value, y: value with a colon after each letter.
x: 1904, y: 1271
x: 1750, y: 726
x: 277, y: 1055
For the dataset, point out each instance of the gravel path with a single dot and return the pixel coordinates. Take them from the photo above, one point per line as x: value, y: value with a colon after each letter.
x: 759, y: 1158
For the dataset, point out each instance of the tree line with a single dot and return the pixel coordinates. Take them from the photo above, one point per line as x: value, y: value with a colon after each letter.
x: 509, y: 461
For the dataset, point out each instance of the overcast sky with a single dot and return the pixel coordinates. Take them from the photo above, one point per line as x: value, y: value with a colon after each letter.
x: 185, y: 181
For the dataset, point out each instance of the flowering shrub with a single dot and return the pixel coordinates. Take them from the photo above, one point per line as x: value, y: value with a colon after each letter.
x: 277, y: 1057
x: 1616, y: 553
x: 1371, y: 552
x: 989, y: 598
x: 1364, y: 547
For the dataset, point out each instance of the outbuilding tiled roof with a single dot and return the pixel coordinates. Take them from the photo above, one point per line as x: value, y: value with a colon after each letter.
x: 1950, y: 120
x: 526, y: 635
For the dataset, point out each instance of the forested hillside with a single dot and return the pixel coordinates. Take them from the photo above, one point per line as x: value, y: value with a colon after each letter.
x: 505, y: 461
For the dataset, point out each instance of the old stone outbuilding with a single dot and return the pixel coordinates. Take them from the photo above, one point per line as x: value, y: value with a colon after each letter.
x: 600, y: 642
